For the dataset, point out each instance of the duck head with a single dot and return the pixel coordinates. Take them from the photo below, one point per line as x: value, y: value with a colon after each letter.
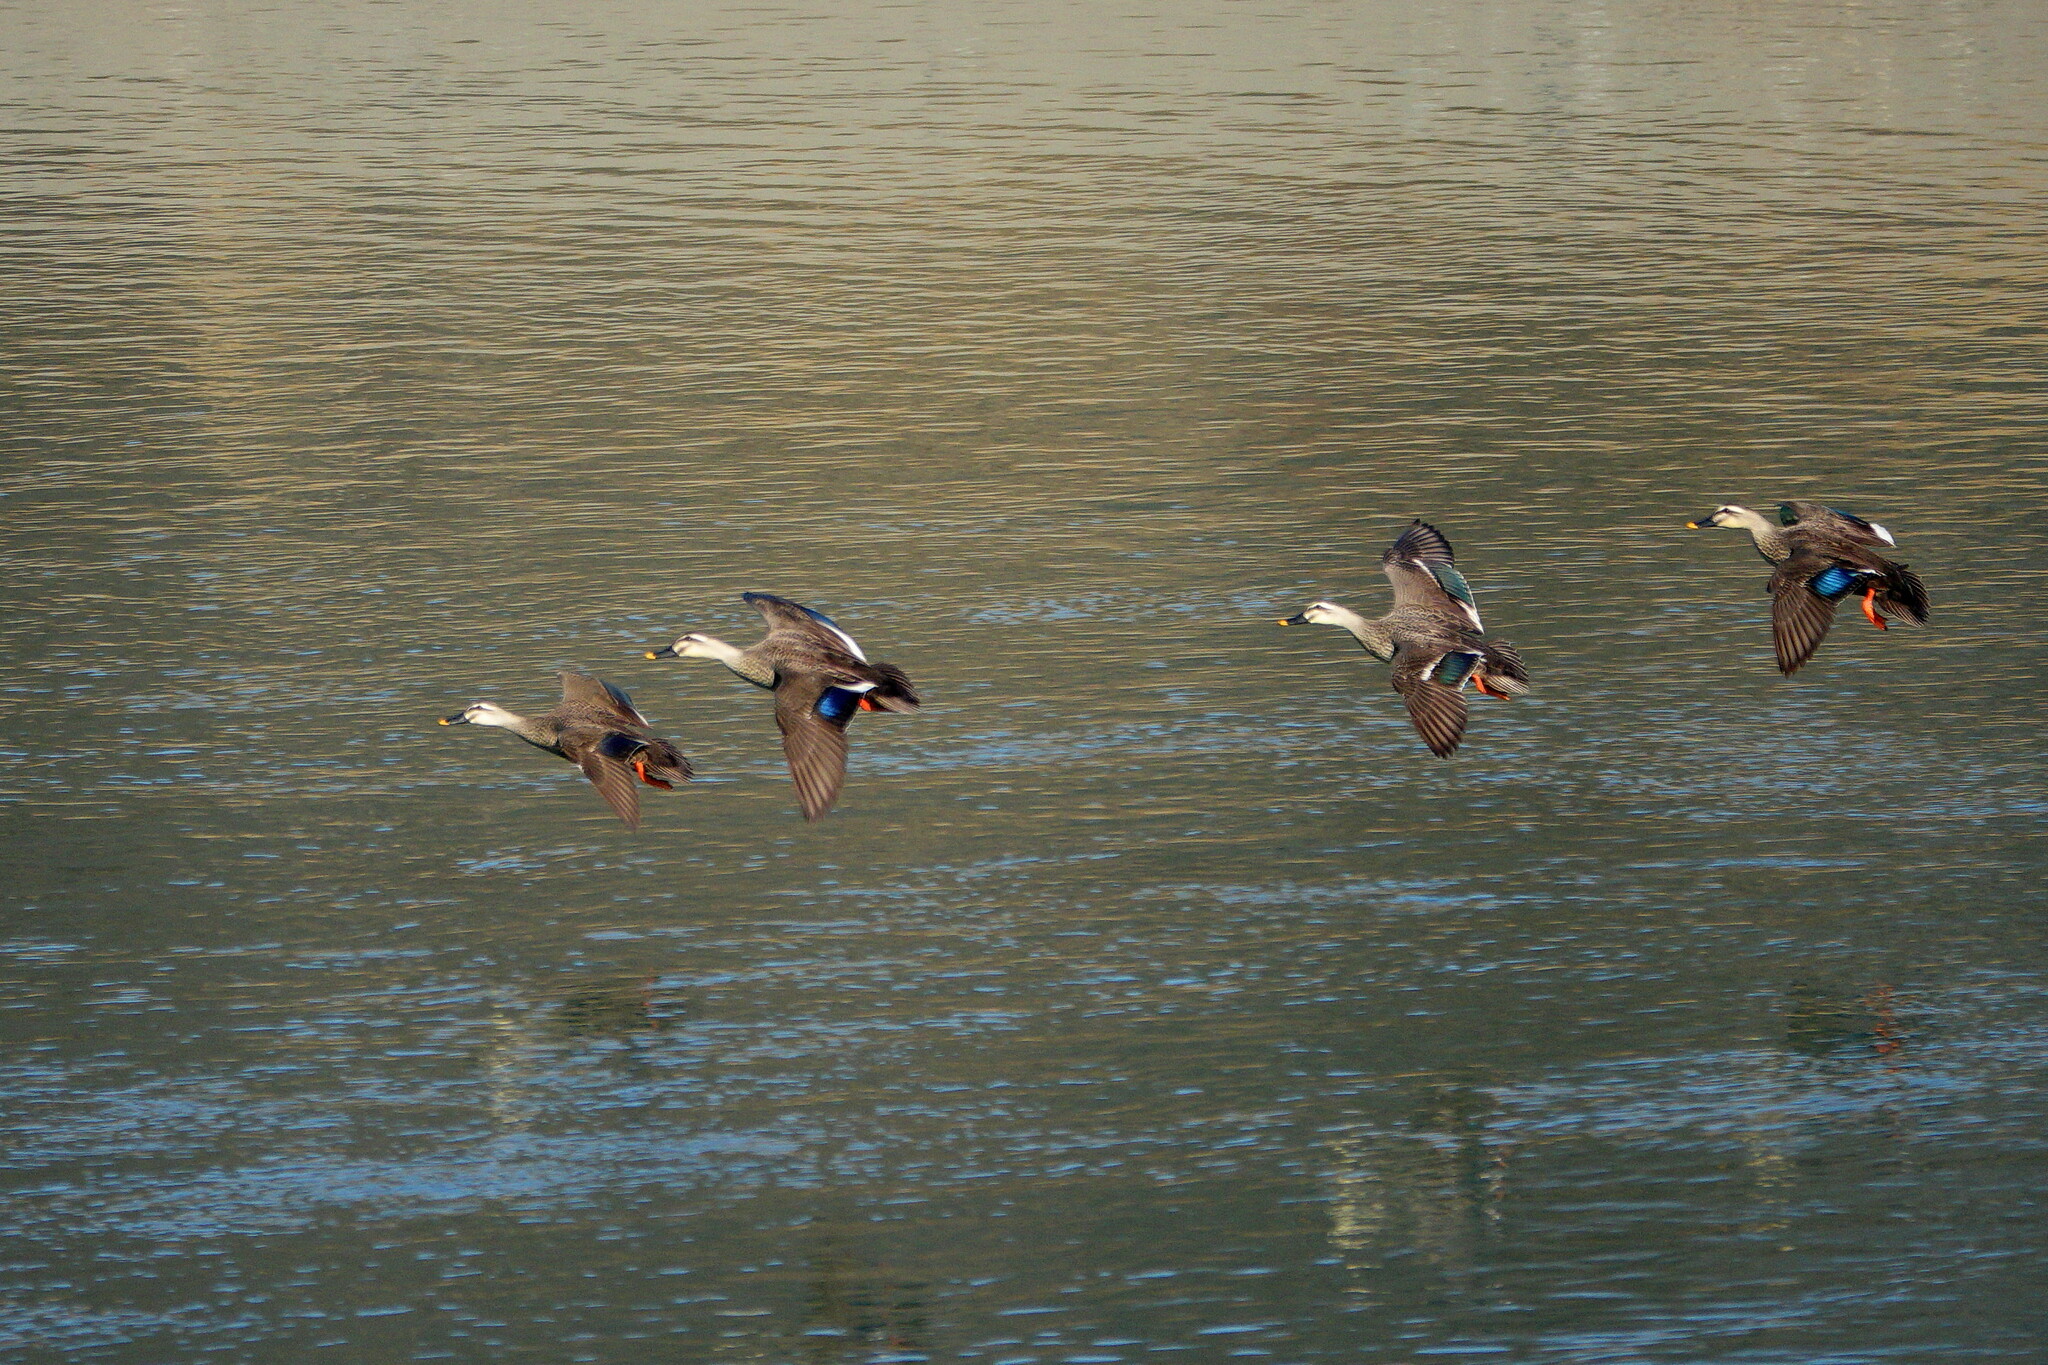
x: 693, y: 646
x: 1317, y: 614
x: 1731, y: 515
x: 482, y: 713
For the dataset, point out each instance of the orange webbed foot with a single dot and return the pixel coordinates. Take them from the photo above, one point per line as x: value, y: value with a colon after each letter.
x: 1869, y: 614
x: 640, y: 767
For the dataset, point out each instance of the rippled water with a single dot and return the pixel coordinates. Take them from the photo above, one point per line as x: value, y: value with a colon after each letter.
x: 1152, y: 993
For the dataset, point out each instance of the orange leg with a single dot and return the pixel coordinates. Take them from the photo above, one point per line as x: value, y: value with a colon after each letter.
x: 640, y: 767
x: 1873, y: 617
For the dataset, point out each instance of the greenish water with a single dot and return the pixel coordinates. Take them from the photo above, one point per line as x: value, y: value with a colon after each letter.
x: 1152, y: 994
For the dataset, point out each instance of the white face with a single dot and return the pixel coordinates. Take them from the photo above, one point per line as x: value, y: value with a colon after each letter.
x: 693, y: 646
x: 1322, y: 613
x: 486, y: 713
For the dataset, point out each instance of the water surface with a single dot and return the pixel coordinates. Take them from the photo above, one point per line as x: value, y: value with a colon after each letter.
x: 1153, y: 994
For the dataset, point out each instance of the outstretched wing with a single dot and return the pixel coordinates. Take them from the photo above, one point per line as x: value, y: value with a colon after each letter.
x: 1420, y: 566
x: 1847, y: 525
x: 595, y: 694
x: 812, y: 717
x: 1437, y: 711
x: 1802, y: 612
x: 783, y: 614
x: 614, y: 780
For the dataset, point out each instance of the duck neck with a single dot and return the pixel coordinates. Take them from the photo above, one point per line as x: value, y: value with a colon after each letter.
x: 737, y: 659
x: 1769, y: 537
x: 1375, y: 637
x: 532, y: 731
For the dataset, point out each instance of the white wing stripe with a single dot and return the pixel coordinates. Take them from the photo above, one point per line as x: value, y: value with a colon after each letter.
x: 844, y: 638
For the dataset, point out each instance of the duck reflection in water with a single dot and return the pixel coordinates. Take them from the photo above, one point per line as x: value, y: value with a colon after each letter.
x: 1819, y: 1024
x: 1429, y: 1189
x: 857, y: 1311
x: 620, y: 1009
x: 523, y: 1052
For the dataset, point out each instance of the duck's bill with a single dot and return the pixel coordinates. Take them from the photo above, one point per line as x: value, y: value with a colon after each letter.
x: 665, y: 652
x: 1298, y: 619
x: 1701, y: 524
x: 457, y: 719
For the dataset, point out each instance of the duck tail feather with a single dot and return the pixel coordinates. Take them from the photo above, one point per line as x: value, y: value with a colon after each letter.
x: 892, y: 691
x: 1901, y: 595
x: 657, y: 760
x: 1504, y: 668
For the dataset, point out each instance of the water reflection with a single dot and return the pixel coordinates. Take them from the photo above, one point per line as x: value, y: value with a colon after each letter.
x: 858, y: 1310
x: 1821, y: 1023
x: 625, y: 1010
x: 520, y: 1050
x: 1432, y: 1187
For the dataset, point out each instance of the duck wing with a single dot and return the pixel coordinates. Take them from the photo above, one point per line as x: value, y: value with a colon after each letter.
x: 797, y: 619
x: 1438, y: 712
x: 614, y: 780
x: 812, y: 715
x: 1804, y: 591
x: 1420, y: 566
x: 595, y: 696
x: 1833, y: 521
